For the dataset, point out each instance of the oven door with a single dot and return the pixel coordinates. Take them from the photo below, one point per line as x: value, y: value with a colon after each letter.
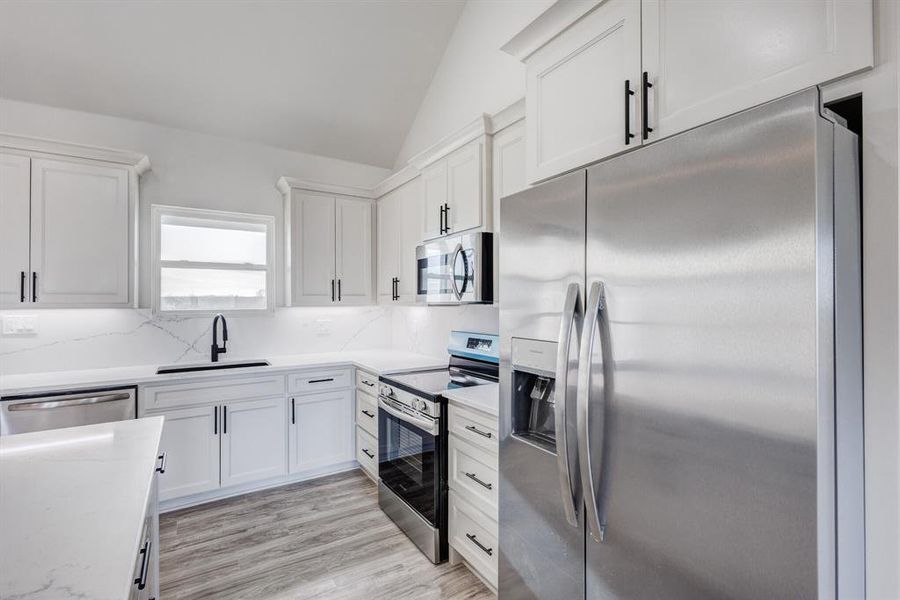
x: 409, y: 456
x: 455, y: 270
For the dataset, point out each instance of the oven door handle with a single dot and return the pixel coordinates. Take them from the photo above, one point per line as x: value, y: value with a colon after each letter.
x: 429, y: 426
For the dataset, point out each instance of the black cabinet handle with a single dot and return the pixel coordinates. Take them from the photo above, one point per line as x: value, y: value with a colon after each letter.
x: 22, y: 288
x: 339, y: 290
x: 367, y: 453
x: 216, y: 420
x: 474, y: 478
x: 162, y: 463
x: 145, y: 566
x: 332, y: 290
x: 34, y: 286
x: 224, y: 419
x: 368, y: 414
x: 446, y: 218
x: 645, y: 118
x: 474, y: 429
x: 628, y: 95
x: 474, y: 539
x: 321, y: 380
x: 442, y: 221
x: 367, y: 382
x: 293, y: 412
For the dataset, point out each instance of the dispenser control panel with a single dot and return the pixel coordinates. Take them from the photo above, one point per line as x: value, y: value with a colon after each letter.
x: 534, y: 355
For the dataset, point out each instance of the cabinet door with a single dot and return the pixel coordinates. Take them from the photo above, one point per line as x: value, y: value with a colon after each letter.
x: 15, y: 229
x: 191, y: 441
x: 751, y: 52
x: 508, y: 177
x: 253, y: 440
x: 321, y: 431
x: 575, y: 91
x: 80, y: 222
x: 389, y: 215
x: 312, y: 243
x: 464, y: 187
x: 353, y: 257
x: 434, y: 182
x: 410, y: 237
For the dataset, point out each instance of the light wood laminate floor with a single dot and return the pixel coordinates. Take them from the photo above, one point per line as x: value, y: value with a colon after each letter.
x: 318, y: 539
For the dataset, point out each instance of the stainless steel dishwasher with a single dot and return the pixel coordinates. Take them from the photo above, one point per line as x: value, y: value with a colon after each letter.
x: 70, y: 408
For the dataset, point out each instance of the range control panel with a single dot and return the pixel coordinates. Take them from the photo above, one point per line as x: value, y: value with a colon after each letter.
x: 538, y: 356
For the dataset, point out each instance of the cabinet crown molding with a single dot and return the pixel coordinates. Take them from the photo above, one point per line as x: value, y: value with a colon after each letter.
x: 481, y: 126
x: 286, y: 184
x: 137, y: 161
x: 395, y: 180
x: 547, y: 26
x: 510, y: 115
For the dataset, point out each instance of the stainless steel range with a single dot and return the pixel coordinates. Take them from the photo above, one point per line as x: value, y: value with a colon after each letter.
x: 412, y: 439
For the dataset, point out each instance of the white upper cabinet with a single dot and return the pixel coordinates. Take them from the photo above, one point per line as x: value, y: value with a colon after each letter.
x: 353, y: 251
x: 434, y: 180
x: 509, y: 166
x: 80, y: 218
x: 751, y: 52
x: 465, y: 184
x: 399, y: 232
x: 578, y: 109
x: 388, y: 245
x: 686, y: 62
x: 15, y: 229
x: 329, y: 246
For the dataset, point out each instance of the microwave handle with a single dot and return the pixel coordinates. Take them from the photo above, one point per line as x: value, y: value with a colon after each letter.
x: 456, y: 252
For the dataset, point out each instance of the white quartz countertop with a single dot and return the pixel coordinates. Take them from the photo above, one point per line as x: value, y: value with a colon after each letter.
x: 72, y: 508
x: 485, y: 398
x: 379, y: 362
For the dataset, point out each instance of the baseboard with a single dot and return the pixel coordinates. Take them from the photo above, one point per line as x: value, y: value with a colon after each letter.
x: 239, y: 490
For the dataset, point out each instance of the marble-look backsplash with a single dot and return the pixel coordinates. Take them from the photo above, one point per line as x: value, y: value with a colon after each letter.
x: 97, y: 338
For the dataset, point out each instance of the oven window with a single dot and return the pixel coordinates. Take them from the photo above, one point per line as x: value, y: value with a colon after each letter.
x: 407, y: 458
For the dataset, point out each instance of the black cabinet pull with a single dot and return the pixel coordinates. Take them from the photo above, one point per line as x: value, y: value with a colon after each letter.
x: 224, y: 419
x: 367, y: 382
x: 339, y: 290
x: 628, y: 95
x: 474, y: 539
x: 442, y: 220
x: 332, y: 290
x: 645, y: 118
x: 446, y: 218
x: 367, y: 453
x: 145, y: 566
x: 34, y: 286
x: 22, y: 288
x: 474, y: 429
x: 321, y: 380
x: 162, y: 463
x: 293, y: 412
x: 368, y: 414
x: 216, y: 420
x: 474, y: 478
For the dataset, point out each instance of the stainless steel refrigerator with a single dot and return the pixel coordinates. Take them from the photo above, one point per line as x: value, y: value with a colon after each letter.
x: 681, y: 388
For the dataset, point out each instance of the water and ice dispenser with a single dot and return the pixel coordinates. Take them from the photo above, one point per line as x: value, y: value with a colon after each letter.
x: 533, y: 385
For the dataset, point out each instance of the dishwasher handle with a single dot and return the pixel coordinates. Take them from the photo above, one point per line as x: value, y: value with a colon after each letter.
x: 80, y: 400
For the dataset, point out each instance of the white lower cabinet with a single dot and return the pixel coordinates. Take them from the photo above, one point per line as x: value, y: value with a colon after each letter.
x: 321, y: 430
x: 367, y: 422
x: 191, y: 441
x: 253, y: 441
x: 473, y: 536
x: 367, y: 452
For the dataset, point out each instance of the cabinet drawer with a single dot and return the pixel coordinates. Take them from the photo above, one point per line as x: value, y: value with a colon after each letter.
x: 473, y: 427
x: 367, y: 382
x: 473, y: 474
x: 474, y: 536
x: 367, y: 451
x: 213, y: 391
x: 367, y: 413
x: 308, y: 382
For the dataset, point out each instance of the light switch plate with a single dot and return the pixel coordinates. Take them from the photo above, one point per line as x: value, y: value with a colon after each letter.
x: 19, y: 324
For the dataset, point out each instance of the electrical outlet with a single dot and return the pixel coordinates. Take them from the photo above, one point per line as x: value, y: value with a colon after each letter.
x: 19, y: 325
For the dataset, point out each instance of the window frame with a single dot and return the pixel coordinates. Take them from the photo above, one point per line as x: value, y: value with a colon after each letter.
x: 158, y: 211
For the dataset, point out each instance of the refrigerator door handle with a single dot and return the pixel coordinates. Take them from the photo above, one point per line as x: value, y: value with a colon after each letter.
x: 592, y: 322
x: 570, y: 495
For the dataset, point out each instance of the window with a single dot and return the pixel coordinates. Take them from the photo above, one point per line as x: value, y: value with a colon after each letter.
x: 209, y: 261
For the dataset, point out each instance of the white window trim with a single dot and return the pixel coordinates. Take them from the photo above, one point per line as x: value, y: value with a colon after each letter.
x: 157, y: 211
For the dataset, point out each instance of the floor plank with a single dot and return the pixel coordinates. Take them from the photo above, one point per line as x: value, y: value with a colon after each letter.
x: 320, y: 539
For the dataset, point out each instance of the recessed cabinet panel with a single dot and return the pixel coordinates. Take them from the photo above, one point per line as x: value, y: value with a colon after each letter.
x: 313, y: 224
x: 434, y: 181
x: 464, y: 188
x: 575, y: 89
x: 389, y: 222
x: 80, y: 250
x: 15, y: 229
x: 751, y: 52
x: 321, y: 431
x: 191, y: 441
x: 354, y: 251
x: 253, y: 440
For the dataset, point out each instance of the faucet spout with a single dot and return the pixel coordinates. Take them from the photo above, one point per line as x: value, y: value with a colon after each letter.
x: 215, y: 350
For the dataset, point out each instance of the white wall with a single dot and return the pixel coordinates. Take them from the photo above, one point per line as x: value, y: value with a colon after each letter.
x: 474, y: 76
x: 190, y: 169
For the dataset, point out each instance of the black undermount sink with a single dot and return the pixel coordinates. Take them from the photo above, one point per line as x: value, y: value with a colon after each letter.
x: 216, y: 366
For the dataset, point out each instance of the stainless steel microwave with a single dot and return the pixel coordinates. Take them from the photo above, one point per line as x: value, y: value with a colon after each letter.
x: 456, y: 270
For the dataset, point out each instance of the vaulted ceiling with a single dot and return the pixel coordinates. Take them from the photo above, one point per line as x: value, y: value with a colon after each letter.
x: 339, y: 78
